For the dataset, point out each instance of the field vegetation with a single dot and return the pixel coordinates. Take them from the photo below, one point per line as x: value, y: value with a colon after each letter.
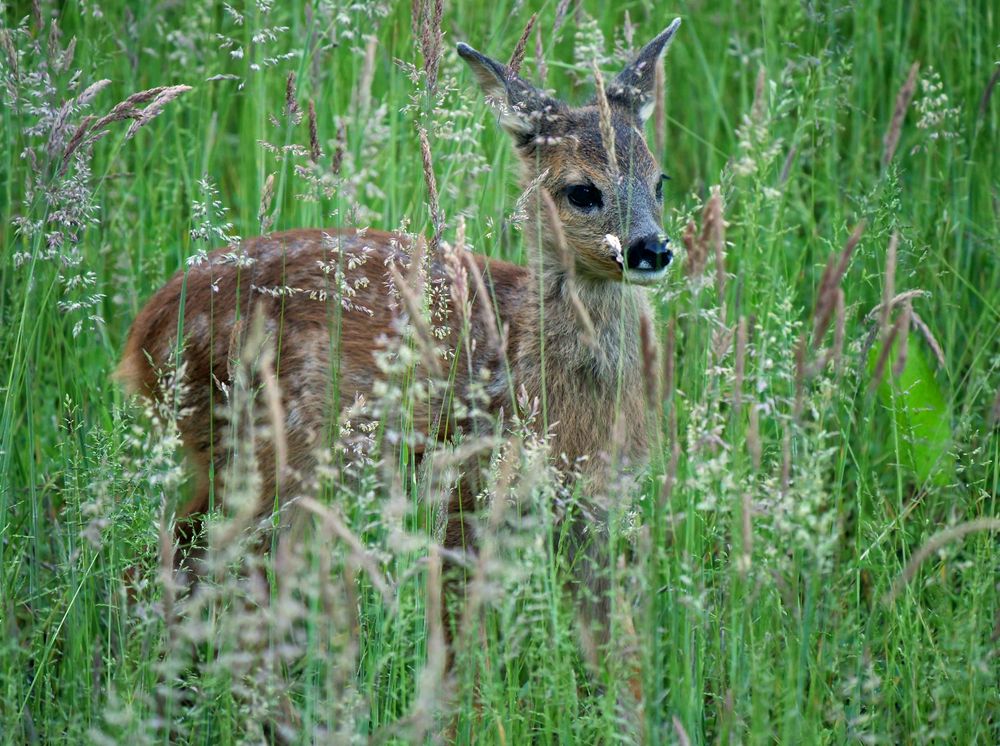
x: 812, y: 555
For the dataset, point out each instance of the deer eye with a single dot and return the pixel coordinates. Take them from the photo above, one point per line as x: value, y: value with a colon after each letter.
x: 584, y: 196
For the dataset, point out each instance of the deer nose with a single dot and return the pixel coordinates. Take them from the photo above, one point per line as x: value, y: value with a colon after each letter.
x: 649, y: 253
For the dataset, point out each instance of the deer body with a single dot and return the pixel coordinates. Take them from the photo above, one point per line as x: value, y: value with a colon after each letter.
x: 573, y: 317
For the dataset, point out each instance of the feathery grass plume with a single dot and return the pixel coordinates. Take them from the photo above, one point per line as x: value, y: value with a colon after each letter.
x: 423, y: 334
x: 426, y: 19
x: 432, y: 190
x: 932, y: 545
x: 900, y: 327
x: 891, y: 140
x: 753, y: 437
x: 697, y: 253
x: 606, y: 125
x: 92, y: 129
x: 339, y: 149
x: 660, y: 111
x: 315, y: 152
x: 292, y: 110
x: 541, y: 68
x: 714, y: 230
x: 829, y: 284
x: 265, y: 219
x: 517, y: 58
x: 839, y: 331
x: 519, y: 214
x: 560, y: 17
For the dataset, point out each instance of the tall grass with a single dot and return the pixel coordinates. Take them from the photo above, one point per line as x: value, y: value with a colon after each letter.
x: 812, y: 555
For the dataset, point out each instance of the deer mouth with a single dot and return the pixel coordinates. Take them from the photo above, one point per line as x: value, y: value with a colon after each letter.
x: 640, y: 276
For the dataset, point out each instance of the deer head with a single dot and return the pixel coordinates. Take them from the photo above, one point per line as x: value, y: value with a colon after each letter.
x: 597, y: 166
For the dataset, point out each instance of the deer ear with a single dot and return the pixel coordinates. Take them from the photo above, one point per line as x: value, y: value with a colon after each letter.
x: 522, y: 108
x: 633, y: 88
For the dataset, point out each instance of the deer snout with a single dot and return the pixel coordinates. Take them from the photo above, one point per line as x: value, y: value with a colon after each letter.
x: 649, y: 253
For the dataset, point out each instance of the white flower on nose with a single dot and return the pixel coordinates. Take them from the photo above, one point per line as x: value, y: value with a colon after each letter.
x: 615, y: 244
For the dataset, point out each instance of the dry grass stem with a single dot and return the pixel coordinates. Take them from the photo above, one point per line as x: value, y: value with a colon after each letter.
x: 739, y: 367
x: 746, y: 524
x: 786, y: 168
x: 888, y: 286
x: 984, y: 102
x: 753, y: 437
x: 888, y: 342
x: 363, y: 91
x: 903, y: 323
x: 891, y: 140
x: 568, y: 265
x: 606, y: 125
x: 668, y: 357
x: 935, y: 543
x: 929, y: 337
x: 485, y: 305
x: 682, y: 737
x: 801, y: 375
x: 361, y: 557
x: 650, y: 369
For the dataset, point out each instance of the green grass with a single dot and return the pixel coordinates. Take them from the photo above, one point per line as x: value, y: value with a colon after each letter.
x: 787, y: 634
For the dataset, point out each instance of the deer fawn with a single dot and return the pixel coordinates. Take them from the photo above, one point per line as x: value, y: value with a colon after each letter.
x: 573, y: 318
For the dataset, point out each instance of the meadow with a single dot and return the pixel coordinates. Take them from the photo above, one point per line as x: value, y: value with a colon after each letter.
x: 812, y: 555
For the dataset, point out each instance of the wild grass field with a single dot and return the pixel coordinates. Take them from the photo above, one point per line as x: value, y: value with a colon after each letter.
x: 811, y: 556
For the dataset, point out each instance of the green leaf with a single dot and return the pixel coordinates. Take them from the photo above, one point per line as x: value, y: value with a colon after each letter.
x: 921, y: 413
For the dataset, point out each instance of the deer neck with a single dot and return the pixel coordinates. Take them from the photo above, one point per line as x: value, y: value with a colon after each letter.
x: 559, y: 338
